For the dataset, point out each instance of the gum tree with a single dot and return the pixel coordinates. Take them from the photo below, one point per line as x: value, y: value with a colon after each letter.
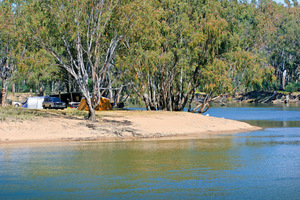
x: 171, y: 45
x: 177, y: 47
x: 7, y: 46
x: 75, y: 33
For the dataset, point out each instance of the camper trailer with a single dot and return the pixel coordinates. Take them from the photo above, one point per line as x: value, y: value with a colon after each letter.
x: 34, y: 103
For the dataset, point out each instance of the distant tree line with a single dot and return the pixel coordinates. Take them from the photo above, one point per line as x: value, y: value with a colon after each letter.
x: 162, y: 51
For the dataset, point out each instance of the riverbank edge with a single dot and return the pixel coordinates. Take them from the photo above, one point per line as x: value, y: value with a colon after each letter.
x: 120, y: 126
x: 189, y: 136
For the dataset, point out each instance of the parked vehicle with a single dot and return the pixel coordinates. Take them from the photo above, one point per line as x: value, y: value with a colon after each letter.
x: 74, y: 104
x: 16, y: 104
x: 53, y: 102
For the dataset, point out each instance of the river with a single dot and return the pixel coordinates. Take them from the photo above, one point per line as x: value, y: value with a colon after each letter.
x: 263, y: 164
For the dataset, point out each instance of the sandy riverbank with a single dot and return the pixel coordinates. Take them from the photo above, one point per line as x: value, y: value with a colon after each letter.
x: 117, y: 125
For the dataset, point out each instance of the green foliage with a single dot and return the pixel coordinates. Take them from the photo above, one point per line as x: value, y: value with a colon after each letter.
x: 90, y: 85
x: 169, y: 48
x: 38, y: 68
x: 279, y: 33
x: 183, y: 46
x: 293, y: 87
x: 34, y: 68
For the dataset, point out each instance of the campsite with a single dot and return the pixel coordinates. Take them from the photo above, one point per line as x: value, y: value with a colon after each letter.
x: 36, y: 102
x: 168, y: 99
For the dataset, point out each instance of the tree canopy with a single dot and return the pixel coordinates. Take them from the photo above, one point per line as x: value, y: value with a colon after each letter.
x: 165, y: 51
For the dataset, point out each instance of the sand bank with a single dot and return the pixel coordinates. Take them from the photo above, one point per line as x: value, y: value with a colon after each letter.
x: 118, y: 125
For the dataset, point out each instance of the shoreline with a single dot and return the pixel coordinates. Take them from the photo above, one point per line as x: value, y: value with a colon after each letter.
x: 206, y: 135
x: 119, y: 126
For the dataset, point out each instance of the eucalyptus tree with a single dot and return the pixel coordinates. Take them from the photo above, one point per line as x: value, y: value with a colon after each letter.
x: 7, y: 45
x: 75, y: 33
x: 177, y: 47
x: 6, y: 69
x: 173, y: 49
x: 278, y: 36
x: 39, y: 69
x: 285, y: 42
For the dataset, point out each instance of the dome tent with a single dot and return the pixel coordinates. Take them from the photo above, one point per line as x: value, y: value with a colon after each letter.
x: 104, y: 104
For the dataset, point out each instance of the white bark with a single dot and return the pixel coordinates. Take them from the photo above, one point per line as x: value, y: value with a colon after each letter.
x: 84, y: 57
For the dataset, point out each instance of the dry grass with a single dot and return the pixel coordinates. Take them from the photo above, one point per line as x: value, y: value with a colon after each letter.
x: 11, y: 113
x: 18, y: 114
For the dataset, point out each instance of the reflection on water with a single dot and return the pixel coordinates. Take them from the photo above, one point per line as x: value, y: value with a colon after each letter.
x: 269, y: 123
x: 254, y: 165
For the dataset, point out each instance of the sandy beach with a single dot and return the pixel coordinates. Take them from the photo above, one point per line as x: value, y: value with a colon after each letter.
x: 118, y: 125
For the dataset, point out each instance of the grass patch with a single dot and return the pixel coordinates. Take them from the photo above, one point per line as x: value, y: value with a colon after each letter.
x: 74, y: 112
x: 18, y: 114
x: 283, y: 92
x: 12, y: 113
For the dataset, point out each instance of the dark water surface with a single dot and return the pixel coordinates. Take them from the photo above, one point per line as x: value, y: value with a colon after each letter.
x: 263, y: 164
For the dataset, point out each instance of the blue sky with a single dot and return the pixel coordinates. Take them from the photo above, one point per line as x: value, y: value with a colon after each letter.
x: 279, y: 1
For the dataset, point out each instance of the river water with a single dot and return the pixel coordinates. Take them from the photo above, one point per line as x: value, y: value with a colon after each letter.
x: 263, y: 164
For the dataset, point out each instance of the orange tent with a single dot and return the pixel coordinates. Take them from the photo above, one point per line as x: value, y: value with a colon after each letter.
x: 103, y: 105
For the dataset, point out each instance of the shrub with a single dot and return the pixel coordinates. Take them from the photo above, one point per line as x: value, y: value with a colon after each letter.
x: 293, y: 87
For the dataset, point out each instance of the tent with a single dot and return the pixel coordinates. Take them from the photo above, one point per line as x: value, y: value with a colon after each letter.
x: 103, y: 105
x: 34, y: 103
